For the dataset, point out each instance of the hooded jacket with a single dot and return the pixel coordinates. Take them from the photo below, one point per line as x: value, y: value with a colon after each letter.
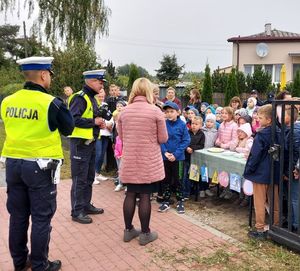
x: 210, y: 137
x: 243, y: 145
x: 179, y: 139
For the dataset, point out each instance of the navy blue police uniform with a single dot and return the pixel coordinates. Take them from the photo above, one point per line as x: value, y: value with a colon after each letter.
x: 83, y: 154
x: 31, y: 192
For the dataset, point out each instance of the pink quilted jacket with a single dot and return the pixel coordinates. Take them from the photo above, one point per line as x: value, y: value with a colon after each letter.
x: 142, y: 128
x: 227, y: 134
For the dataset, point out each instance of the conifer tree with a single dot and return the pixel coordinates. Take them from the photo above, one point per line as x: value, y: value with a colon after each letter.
x: 207, y: 95
x: 296, y: 85
x: 232, y: 87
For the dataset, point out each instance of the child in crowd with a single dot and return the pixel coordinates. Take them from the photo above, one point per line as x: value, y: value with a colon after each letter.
x: 204, y: 105
x: 210, y: 110
x: 295, y: 147
x: 243, y: 145
x: 219, y: 114
x: 227, y: 134
x: 192, y: 112
x: 210, y: 131
x: 117, y: 144
x: 197, y: 143
x: 227, y: 130
x: 103, y: 141
x: 173, y: 152
x: 118, y: 156
x: 244, y: 141
x: 251, y: 104
x: 244, y: 119
x: 239, y: 113
x: 255, y: 122
x: 258, y: 171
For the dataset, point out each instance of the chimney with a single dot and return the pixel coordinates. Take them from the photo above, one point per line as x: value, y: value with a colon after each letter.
x: 268, y: 29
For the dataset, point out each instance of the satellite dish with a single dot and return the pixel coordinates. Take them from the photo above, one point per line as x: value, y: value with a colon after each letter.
x: 262, y: 49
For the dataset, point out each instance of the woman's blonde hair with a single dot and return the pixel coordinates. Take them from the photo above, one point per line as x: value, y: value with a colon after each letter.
x: 141, y: 87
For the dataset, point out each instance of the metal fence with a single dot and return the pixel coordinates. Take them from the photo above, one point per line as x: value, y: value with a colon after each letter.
x: 285, y: 151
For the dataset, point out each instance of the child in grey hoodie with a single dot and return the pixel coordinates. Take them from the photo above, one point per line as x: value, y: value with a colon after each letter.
x: 210, y: 131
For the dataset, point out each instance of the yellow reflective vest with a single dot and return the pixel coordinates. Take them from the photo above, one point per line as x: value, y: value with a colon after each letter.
x: 25, y: 117
x: 85, y: 133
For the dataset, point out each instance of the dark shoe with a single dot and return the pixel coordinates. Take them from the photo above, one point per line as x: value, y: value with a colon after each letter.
x: 165, y: 206
x: 92, y: 210
x: 53, y: 266
x: 83, y: 219
x: 146, y: 238
x: 180, y: 207
x: 259, y: 235
x: 131, y: 234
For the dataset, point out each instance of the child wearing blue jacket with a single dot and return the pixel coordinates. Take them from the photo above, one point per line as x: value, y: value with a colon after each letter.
x: 258, y: 170
x: 173, y: 152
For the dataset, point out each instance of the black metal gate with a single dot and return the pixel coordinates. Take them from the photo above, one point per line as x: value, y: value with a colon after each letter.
x: 285, y: 156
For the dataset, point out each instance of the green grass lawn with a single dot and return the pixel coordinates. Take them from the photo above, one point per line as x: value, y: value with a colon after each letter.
x: 66, y: 168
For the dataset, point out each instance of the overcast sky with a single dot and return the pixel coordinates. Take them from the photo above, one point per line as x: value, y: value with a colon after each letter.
x: 141, y: 31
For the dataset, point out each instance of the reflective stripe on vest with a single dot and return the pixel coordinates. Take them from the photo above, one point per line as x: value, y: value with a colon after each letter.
x: 85, y: 133
x: 25, y: 117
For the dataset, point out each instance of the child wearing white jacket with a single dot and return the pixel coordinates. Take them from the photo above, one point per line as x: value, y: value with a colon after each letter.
x: 244, y: 142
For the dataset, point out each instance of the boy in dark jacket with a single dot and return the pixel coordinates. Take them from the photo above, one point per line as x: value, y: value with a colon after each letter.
x: 258, y: 170
x: 173, y: 152
x: 197, y: 143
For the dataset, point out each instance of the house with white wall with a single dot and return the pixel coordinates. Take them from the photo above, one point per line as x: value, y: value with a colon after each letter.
x: 271, y: 49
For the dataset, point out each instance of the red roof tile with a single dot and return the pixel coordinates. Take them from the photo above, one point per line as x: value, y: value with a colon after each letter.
x: 276, y: 35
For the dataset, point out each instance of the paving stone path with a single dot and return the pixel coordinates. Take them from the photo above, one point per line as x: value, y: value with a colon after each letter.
x: 99, y: 246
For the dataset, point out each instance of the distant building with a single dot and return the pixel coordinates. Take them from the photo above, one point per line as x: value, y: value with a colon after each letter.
x: 226, y: 70
x: 271, y: 49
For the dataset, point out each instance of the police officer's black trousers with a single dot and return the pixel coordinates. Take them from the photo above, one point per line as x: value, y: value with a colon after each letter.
x: 83, y: 175
x: 29, y: 192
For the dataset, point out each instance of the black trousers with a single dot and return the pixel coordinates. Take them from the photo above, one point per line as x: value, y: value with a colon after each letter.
x: 30, y: 192
x: 83, y: 175
x: 172, y: 183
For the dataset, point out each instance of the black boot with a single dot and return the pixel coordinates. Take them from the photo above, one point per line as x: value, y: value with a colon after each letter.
x: 53, y: 266
x: 92, y: 210
x: 83, y: 219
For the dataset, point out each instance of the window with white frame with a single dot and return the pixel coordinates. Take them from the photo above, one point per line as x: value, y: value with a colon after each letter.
x: 248, y: 69
x: 277, y: 68
x: 272, y: 69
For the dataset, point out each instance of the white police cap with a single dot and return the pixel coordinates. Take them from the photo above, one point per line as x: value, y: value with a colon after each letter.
x: 95, y: 74
x: 36, y: 63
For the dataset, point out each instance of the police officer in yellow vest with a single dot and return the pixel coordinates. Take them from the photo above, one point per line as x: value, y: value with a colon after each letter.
x: 33, y: 119
x: 84, y: 107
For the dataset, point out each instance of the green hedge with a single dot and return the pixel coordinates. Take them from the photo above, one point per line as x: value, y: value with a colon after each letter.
x: 10, y: 89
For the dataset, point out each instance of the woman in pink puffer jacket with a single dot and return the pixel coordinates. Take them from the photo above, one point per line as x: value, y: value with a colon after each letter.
x: 142, y: 128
